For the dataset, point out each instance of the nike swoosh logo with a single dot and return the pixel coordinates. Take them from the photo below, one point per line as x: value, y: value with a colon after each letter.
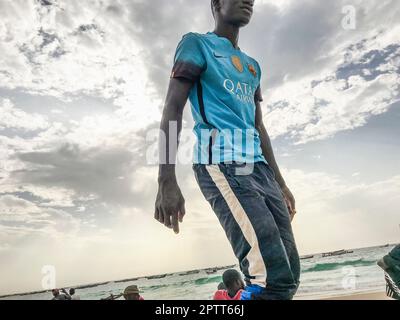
x: 218, y: 55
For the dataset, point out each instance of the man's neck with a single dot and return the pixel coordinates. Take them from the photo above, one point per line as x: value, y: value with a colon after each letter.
x: 228, y: 31
x: 231, y: 294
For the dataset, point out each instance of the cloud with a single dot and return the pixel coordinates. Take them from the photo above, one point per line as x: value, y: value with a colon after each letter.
x: 63, y: 51
x: 11, y: 205
x: 21, y: 219
x: 15, y: 118
x: 364, y: 86
x: 337, y: 210
x: 104, y: 173
x: 123, y: 51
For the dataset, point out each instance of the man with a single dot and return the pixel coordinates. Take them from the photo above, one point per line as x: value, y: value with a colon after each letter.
x: 73, y: 295
x: 391, y: 265
x: 251, y: 201
x: 234, y: 286
x: 132, y: 293
x: 58, y: 296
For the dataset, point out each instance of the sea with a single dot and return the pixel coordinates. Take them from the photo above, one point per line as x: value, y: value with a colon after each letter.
x: 353, y: 272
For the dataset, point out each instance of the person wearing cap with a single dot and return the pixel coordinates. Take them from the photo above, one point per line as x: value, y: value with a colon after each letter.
x: 132, y: 293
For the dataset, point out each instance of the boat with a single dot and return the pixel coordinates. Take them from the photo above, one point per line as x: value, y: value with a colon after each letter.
x: 211, y: 271
x: 88, y: 286
x: 336, y: 253
x: 333, y: 253
x: 160, y: 276
x: 127, y: 280
x: 189, y: 272
x: 310, y: 256
x: 226, y: 267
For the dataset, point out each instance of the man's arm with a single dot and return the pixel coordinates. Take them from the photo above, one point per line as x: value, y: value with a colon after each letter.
x: 268, y: 153
x: 170, y: 204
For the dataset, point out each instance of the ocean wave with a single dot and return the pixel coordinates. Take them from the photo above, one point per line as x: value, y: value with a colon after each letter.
x: 336, y: 265
x: 202, y: 281
x: 197, y: 282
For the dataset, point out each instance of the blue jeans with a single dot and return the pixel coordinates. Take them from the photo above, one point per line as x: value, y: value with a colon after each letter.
x: 254, y: 215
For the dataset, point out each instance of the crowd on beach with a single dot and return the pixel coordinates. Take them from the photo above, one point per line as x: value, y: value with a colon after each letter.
x: 64, y: 295
x: 232, y: 286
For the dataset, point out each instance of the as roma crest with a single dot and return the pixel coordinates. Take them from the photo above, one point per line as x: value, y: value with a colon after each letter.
x: 252, y: 70
x: 237, y: 63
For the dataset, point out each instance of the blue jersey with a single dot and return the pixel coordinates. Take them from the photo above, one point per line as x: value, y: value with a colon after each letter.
x: 226, y: 86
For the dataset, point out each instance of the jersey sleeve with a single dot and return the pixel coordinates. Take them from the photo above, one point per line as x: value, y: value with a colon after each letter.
x: 189, y: 61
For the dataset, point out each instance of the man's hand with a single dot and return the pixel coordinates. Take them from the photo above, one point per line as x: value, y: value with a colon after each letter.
x: 290, y: 201
x: 170, y: 205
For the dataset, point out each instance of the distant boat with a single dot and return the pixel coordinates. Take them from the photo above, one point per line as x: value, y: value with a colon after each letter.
x: 310, y: 256
x: 127, y: 280
x: 226, y: 267
x: 92, y: 285
x: 189, y: 272
x: 157, y: 276
x: 336, y: 253
x: 211, y: 271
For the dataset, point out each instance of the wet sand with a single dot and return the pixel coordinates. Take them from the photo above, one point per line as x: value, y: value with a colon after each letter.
x: 380, y: 295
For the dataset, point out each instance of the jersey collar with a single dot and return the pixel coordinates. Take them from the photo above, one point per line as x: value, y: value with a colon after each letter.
x: 226, y: 40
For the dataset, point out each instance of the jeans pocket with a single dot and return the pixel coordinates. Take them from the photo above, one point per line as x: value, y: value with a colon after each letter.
x: 238, y: 175
x: 270, y: 171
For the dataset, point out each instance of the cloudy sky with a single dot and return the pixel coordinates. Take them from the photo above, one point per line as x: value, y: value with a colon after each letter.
x: 82, y: 85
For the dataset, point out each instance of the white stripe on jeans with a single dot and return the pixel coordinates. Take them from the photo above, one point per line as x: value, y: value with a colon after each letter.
x: 257, y: 267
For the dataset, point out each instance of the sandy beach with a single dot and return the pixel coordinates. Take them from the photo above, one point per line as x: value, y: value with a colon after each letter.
x: 375, y: 295
x: 362, y: 296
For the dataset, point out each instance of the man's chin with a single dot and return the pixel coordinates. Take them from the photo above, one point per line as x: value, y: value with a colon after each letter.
x: 243, y: 22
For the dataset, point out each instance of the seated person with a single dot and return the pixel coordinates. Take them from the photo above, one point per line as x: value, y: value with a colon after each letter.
x: 234, y: 285
x: 132, y: 293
